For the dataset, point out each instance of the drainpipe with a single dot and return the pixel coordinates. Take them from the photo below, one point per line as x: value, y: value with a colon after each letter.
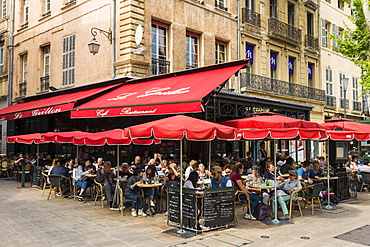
x: 114, y: 7
x: 238, y: 45
x: 11, y: 55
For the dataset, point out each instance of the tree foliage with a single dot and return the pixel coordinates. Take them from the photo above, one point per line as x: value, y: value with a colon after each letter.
x: 355, y: 43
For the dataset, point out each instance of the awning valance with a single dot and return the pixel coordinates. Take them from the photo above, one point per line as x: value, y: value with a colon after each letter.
x: 49, y: 105
x: 174, y: 93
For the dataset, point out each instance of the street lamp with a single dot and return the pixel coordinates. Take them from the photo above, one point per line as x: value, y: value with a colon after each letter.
x: 345, y: 85
x: 94, y: 44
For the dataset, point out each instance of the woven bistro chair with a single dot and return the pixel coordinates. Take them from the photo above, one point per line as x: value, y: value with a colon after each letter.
x: 244, y: 203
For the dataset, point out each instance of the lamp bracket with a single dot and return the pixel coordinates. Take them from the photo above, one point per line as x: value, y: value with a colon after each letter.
x: 108, y: 34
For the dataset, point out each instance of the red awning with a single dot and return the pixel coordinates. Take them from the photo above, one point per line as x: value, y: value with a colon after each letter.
x: 286, y: 134
x: 179, y: 127
x: 348, y: 126
x: 271, y: 121
x: 174, y: 93
x: 348, y: 135
x: 26, y: 139
x: 50, y: 105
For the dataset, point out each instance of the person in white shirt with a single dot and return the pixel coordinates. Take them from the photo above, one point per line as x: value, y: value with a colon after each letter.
x: 192, y: 165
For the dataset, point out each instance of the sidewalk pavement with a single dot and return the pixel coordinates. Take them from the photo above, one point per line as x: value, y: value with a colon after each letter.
x: 28, y: 219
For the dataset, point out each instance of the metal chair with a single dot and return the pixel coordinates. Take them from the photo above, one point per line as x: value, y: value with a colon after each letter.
x: 313, y: 196
x: 365, y: 179
x: 99, y: 193
x: 294, y: 201
x: 46, y: 183
x: 55, y: 184
x: 5, y: 167
x: 244, y: 203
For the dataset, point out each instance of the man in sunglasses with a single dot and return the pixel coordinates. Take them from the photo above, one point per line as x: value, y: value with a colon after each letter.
x: 218, y: 180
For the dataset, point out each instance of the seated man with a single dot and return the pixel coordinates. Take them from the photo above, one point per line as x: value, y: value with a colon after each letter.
x: 60, y: 169
x: 285, y: 188
x: 218, y: 180
x: 365, y: 167
x: 289, y: 165
x: 303, y: 172
x: 315, y: 172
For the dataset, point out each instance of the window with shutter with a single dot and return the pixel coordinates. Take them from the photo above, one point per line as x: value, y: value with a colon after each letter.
x: 324, y: 33
x: 3, y: 10
x: 69, y: 60
x: 335, y: 32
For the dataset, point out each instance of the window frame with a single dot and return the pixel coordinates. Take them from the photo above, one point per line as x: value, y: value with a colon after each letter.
x: 291, y: 14
x: 274, y: 9
x: 47, y: 6
x: 324, y: 33
x: 218, y: 52
x: 163, y: 27
x: 69, y: 59
x: 3, y: 9
x: 341, y: 87
x: 25, y: 12
x: 355, y: 87
x: 329, y: 81
x: 192, y: 39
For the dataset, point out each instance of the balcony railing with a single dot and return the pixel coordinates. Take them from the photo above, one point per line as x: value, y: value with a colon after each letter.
x: 44, y: 83
x: 251, y: 17
x: 356, y: 106
x: 22, y: 88
x: 160, y: 66
x: 342, y: 104
x: 312, y: 42
x: 330, y: 101
x: 275, y: 86
x: 285, y: 30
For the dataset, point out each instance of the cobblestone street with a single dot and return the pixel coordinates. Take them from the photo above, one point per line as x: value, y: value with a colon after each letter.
x: 28, y: 219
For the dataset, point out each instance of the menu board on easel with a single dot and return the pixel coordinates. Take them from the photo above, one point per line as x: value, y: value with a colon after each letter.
x: 219, y: 205
x: 188, y: 206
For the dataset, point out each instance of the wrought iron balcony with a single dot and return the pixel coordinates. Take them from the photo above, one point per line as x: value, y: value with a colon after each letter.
x: 331, y: 101
x: 285, y: 30
x: 251, y: 17
x: 312, y: 42
x: 342, y: 104
x: 23, y: 88
x: 160, y: 66
x: 356, y: 106
x: 275, y: 86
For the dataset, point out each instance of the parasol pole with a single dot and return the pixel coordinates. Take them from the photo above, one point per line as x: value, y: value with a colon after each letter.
x: 38, y: 153
x: 117, y: 184
x: 181, y: 227
x: 209, y: 155
x: 275, y: 221
x: 328, y: 206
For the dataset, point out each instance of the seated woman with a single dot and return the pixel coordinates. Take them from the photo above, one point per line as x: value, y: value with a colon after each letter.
x: 285, y: 188
x: 270, y: 172
x: 149, y: 177
x: 203, y: 173
x: 315, y: 172
x: 81, y: 179
x: 105, y: 177
x: 237, y: 179
x: 192, y: 182
x: 193, y: 165
x: 133, y: 193
x: 255, y: 178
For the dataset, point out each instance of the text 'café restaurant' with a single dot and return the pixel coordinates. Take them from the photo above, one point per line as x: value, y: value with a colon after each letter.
x: 123, y: 102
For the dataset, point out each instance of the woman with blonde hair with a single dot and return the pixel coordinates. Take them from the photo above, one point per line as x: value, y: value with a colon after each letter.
x: 193, y: 165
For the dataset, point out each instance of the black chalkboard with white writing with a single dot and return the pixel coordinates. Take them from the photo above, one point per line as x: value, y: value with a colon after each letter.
x: 219, y: 206
x: 188, y: 206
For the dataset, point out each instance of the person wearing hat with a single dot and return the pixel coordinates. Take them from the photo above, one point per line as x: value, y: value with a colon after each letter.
x: 217, y: 180
x: 286, y: 187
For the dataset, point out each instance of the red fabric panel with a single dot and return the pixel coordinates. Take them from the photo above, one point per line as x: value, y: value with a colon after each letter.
x: 49, y: 105
x: 178, y: 127
x: 26, y: 139
x: 271, y: 121
x: 139, y: 110
x: 170, y: 94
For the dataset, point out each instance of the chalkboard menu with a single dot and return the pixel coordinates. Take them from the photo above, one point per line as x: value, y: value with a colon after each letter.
x: 188, y: 206
x: 37, y: 176
x: 219, y: 206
